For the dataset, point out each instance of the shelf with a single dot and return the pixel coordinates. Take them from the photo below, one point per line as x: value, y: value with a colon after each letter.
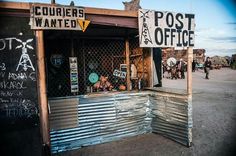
x: 135, y: 55
x: 118, y: 56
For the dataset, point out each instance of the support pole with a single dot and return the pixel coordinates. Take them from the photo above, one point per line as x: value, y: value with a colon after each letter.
x: 190, y: 93
x: 189, y: 72
x: 127, y: 53
x: 43, y: 102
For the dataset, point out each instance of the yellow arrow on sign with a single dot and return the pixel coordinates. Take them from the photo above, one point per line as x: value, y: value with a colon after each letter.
x: 83, y: 24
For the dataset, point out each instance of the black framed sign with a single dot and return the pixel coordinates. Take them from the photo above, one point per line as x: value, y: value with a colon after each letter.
x: 18, y: 86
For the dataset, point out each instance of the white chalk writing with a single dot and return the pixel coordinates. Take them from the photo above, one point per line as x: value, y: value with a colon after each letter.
x: 19, y: 107
x: 12, y: 85
x: 4, y: 45
x: 2, y: 66
x: 32, y: 76
x: 2, y: 74
x: 20, y: 76
x: 18, y: 92
x: 25, y: 61
x: 14, y: 93
x: 17, y: 76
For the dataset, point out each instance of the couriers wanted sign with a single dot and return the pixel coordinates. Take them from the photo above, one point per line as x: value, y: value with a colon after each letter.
x: 56, y: 17
x: 165, y: 29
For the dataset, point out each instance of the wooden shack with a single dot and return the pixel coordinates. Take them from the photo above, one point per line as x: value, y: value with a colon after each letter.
x: 66, y: 59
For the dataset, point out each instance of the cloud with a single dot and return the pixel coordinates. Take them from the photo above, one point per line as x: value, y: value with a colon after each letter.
x: 224, y: 39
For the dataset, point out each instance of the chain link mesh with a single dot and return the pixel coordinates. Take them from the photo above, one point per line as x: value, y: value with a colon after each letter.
x: 99, y: 56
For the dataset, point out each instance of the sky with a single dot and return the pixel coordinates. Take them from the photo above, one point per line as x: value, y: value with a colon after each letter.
x: 215, y: 19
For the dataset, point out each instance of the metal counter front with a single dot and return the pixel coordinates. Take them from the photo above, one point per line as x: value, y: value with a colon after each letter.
x: 97, y: 118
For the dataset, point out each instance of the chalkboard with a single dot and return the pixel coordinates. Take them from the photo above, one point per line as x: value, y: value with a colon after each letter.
x: 18, y: 79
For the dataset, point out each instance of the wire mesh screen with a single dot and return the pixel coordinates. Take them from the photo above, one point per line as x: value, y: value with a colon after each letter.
x: 97, y: 60
x: 102, y: 57
x: 58, y: 71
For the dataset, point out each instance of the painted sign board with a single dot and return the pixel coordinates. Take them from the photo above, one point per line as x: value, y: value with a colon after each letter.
x: 165, y: 29
x: 119, y: 73
x: 83, y: 24
x: 54, y: 17
x: 74, y: 74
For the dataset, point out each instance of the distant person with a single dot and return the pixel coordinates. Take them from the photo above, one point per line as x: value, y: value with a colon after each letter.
x: 197, y: 65
x: 163, y: 68
x: 207, y: 66
x: 181, y: 67
x: 193, y: 66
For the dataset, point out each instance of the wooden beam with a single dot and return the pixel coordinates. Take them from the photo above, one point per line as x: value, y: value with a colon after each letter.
x: 127, y: 53
x: 189, y: 71
x: 88, y: 10
x: 110, y: 12
x: 43, y: 102
x: 15, y: 5
x: 117, y: 21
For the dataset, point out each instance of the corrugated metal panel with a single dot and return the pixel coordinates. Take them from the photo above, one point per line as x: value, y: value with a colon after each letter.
x: 105, y: 118
x: 114, y: 116
x: 172, y: 117
x: 64, y: 113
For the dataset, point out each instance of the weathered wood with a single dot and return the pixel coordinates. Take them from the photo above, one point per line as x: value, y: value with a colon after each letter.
x: 189, y: 71
x: 113, y: 21
x: 15, y: 5
x: 127, y: 53
x: 111, y: 12
x: 43, y: 103
x: 88, y: 10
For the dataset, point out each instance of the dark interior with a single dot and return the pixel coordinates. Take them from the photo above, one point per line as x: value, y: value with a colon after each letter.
x: 100, y: 50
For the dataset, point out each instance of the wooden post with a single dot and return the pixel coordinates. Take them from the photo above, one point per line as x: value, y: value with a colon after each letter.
x: 127, y: 53
x: 189, y: 92
x: 189, y: 72
x: 43, y: 103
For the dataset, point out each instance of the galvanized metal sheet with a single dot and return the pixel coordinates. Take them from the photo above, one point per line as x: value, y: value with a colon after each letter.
x: 172, y: 117
x: 114, y: 116
x: 63, y: 113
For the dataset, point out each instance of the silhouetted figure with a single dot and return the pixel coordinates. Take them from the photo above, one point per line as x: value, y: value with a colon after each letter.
x: 193, y: 66
x: 207, y: 66
x: 181, y: 67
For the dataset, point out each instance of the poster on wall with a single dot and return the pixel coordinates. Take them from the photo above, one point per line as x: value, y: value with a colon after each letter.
x: 18, y: 86
x: 74, y: 74
x: 165, y: 29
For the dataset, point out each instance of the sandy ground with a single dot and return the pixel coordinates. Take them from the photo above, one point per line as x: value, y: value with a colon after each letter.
x: 214, y: 119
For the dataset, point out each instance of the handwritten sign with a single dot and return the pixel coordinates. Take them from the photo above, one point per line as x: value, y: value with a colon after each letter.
x: 119, y: 73
x: 56, y: 17
x: 18, y: 87
x: 165, y: 29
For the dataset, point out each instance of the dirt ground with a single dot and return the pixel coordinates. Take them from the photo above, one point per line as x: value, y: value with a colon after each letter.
x: 214, y: 123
